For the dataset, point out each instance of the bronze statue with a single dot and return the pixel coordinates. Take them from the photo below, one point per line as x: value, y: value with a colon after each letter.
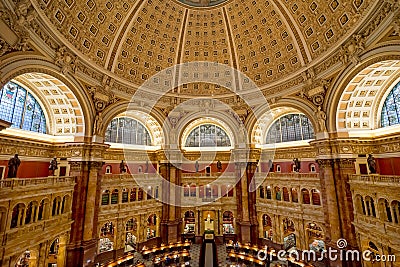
x: 53, y: 165
x: 296, y: 164
x: 122, y: 168
x: 270, y: 166
x: 13, y: 165
x: 371, y: 164
x: 196, y: 166
x: 219, y: 166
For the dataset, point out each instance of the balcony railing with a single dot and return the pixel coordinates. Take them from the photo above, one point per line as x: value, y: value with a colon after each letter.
x: 375, y: 179
x: 15, y: 183
x: 293, y: 175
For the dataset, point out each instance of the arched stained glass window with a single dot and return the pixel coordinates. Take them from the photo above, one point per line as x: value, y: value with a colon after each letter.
x: 391, y: 108
x: 208, y: 135
x: 291, y: 127
x: 127, y: 131
x: 21, y: 109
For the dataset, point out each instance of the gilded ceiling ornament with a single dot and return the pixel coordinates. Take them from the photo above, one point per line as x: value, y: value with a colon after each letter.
x: 25, y: 12
x: 65, y: 60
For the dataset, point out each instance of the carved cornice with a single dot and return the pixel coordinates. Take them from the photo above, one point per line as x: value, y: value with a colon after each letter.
x: 345, y: 162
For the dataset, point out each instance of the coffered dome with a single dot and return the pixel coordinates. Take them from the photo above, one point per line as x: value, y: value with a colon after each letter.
x: 267, y: 40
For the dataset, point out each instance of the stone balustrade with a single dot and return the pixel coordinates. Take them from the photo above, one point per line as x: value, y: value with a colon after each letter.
x: 18, y: 183
x: 375, y: 179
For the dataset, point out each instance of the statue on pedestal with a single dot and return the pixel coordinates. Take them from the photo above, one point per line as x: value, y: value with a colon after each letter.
x: 13, y: 165
x: 53, y: 165
x: 196, y: 166
x: 296, y: 164
x: 122, y: 168
x: 371, y: 164
x: 219, y: 166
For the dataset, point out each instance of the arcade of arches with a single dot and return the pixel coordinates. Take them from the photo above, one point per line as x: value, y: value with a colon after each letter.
x: 296, y: 149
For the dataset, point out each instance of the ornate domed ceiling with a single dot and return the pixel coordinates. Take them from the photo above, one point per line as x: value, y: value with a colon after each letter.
x: 267, y: 40
x: 202, y: 3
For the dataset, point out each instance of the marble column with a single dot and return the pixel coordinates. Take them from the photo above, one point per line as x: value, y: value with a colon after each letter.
x: 86, y: 166
x: 171, y: 198
x: 337, y: 204
x: 252, y: 196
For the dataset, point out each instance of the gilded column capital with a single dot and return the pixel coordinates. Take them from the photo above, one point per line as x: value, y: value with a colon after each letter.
x: 325, y: 163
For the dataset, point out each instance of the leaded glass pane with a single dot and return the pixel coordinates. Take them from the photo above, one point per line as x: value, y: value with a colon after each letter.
x: 391, y: 108
x: 208, y: 135
x: 21, y: 109
x: 291, y: 127
x: 127, y: 131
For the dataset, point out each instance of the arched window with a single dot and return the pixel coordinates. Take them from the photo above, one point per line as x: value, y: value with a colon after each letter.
x: 127, y: 131
x: 278, y: 193
x: 193, y: 190
x: 54, y: 247
x: 312, y: 167
x: 278, y: 168
x: 269, y: 193
x: 295, y: 197
x: 285, y: 194
x: 105, y: 198
x: 391, y: 108
x: 186, y: 190
x: 306, y: 196
x: 208, y: 135
x: 132, y: 196
x: 140, y: 194
x: 21, y: 109
x: 316, y: 199
x: 17, y: 215
x: 114, y: 197
x: 125, y: 195
x: 262, y: 192
x: 108, y: 169
x: 291, y: 127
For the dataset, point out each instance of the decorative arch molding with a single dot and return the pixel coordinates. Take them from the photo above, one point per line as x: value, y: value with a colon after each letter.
x: 284, y: 106
x: 361, y: 100
x: 152, y: 120
x: 186, y: 126
x: 333, y: 96
x: 36, y: 65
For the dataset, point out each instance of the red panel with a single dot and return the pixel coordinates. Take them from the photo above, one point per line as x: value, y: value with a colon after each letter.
x: 29, y: 169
